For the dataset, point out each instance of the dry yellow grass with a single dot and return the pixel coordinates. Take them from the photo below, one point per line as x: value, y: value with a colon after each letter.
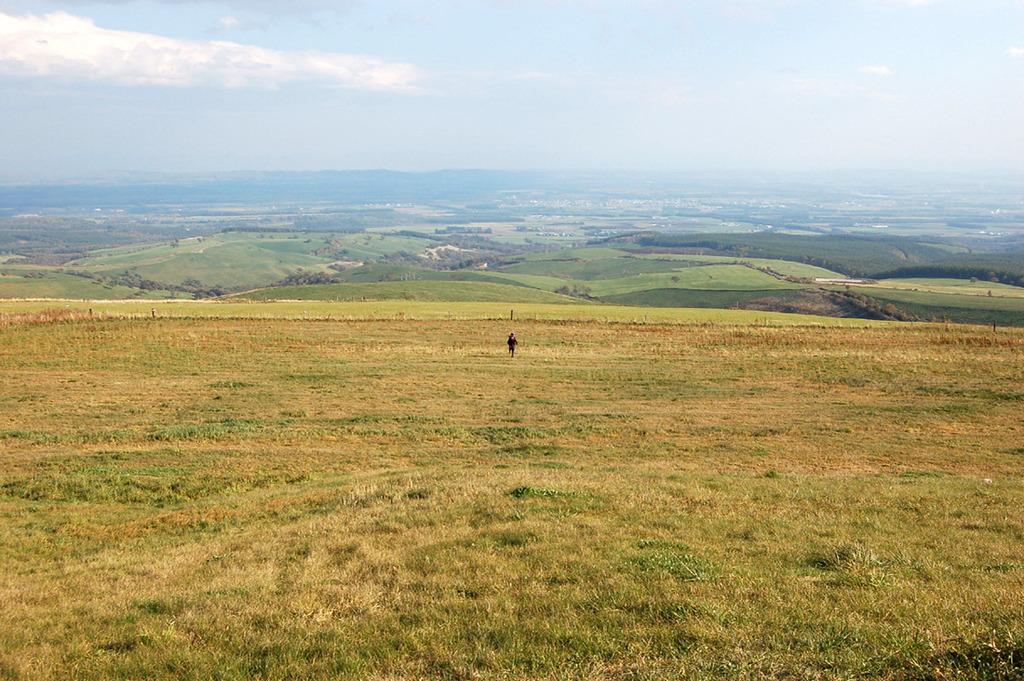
x: 287, y: 498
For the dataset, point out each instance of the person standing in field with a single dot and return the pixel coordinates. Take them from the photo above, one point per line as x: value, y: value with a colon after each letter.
x: 512, y: 343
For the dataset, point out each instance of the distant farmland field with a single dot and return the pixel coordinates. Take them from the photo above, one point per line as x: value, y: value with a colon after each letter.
x: 376, y: 490
x: 962, y: 302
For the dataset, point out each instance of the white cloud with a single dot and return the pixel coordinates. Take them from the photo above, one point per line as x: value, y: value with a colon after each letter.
x: 875, y: 70
x: 67, y: 46
x: 1016, y: 51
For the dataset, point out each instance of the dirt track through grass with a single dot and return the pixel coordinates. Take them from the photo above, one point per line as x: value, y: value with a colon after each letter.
x: 287, y: 498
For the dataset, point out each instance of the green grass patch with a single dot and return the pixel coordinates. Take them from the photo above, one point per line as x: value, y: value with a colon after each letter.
x: 677, y: 561
x: 525, y: 492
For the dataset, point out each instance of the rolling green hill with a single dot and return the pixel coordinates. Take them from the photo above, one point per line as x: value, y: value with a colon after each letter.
x: 36, y: 283
x: 766, y: 272
x: 238, y: 259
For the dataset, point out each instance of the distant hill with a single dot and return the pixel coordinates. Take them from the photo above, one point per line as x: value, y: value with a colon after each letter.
x: 714, y: 271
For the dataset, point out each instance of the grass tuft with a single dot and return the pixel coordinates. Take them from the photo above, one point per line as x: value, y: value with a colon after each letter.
x: 525, y: 491
x: 845, y: 557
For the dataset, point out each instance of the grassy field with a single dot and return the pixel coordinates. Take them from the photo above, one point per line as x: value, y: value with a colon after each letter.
x: 963, y: 287
x: 360, y: 494
x: 784, y: 267
x: 243, y: 258
x: 600, y: 263
x: 959, y: 301
x: 36, y: 282
x: 701, y: 278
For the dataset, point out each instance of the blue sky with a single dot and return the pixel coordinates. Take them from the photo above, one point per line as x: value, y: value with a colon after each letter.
x: 91, y: 86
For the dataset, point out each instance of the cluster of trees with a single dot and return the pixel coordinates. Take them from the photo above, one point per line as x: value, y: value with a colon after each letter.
x: 577, y: 291
x: 192, y: 287
x: 305, y: 278
x: 866, y: 307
